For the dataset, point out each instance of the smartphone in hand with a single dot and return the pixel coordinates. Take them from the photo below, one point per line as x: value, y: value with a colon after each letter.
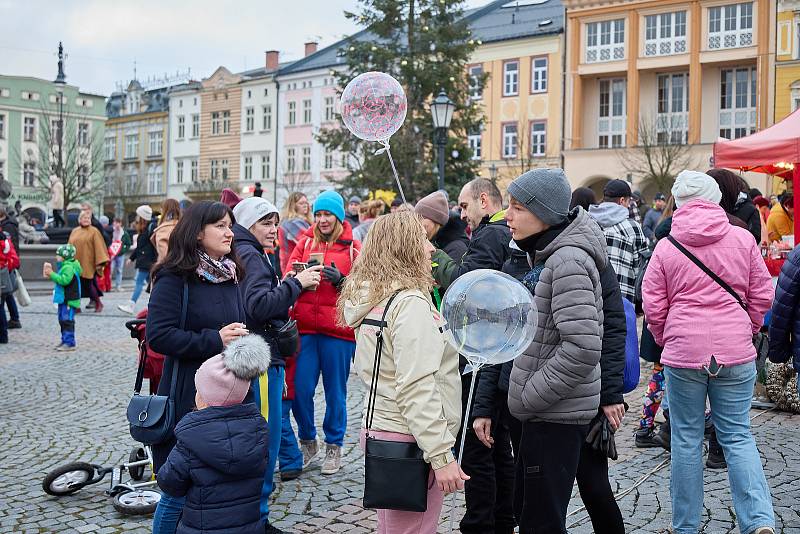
x: 299, y: 266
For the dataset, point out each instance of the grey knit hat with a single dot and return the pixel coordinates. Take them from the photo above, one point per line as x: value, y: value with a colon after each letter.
x: 545, y: 192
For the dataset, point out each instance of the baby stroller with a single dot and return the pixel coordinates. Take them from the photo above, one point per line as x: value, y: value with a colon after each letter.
x: 136, y: 496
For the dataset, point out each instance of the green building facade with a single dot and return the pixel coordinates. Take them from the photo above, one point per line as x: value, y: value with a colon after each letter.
x: 29, y: 130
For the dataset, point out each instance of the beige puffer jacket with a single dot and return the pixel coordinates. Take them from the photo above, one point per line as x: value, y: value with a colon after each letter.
x: 419, y: 389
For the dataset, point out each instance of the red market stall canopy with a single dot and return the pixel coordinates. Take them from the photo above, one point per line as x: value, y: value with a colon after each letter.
x: 775, y: 151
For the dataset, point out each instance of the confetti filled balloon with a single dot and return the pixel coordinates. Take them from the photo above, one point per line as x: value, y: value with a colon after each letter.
x: 373, y: 106
x: 491, y: 317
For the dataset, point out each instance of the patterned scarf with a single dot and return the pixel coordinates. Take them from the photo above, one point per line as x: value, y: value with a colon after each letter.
x: 532, y: 278
x: 216, y: 271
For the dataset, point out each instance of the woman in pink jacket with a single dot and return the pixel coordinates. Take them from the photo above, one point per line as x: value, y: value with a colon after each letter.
x: 708, y: 351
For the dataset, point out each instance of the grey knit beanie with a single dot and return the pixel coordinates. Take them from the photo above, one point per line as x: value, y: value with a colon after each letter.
x: 545, y: 192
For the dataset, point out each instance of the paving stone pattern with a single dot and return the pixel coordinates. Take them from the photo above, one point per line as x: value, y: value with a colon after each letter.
x: 62, y: 407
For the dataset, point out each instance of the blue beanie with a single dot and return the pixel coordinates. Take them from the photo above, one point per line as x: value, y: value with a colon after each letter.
x: 330, y: 201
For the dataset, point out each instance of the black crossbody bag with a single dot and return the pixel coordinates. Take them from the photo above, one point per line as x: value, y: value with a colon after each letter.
x: 152, y: 417
x: 395, y: 472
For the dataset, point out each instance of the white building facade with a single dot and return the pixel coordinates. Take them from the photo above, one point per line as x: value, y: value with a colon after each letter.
x: 184, y: 139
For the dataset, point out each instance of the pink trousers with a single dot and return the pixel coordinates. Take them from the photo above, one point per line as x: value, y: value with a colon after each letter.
x: 399, y: 522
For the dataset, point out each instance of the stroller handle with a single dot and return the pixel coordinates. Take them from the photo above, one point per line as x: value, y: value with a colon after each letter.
x: 133, y: 325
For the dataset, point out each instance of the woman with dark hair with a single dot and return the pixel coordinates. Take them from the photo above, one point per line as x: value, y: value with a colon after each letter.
x: 170, y: 214
x: 201, y: 266
x: 144, y: 255
x: 736, y: 201
x: 583, y: 197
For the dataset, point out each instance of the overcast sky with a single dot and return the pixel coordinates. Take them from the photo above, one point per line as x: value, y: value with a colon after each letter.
x: 103, y: 38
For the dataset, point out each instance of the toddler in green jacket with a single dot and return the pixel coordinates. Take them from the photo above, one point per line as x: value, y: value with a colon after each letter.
x: 67, y: 293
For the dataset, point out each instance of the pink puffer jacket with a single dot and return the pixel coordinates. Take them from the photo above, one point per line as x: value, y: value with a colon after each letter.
x: 689, y: 314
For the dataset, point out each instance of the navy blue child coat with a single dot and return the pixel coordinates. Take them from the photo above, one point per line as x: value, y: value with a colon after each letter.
x: 784, y: 326
x: 218, y: 464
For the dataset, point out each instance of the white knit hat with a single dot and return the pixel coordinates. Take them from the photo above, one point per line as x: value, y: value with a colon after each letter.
x: 251, y: 210
x: 145, y: 212
x: 691, y: 185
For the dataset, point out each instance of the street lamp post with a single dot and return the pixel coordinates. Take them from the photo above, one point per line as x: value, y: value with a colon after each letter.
x: 60, y: 82
x: 493, y: 173
x: 442, y: 109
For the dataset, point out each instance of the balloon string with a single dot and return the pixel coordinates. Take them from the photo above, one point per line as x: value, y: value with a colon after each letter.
x: 475, y: 369
x: 388, y: 150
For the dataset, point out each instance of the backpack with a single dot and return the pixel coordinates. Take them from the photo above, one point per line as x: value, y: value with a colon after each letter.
x: 630, y: 377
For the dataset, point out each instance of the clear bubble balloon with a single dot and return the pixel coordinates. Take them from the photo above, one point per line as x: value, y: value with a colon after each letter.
x: 491, y: 317
x: 373, y: 106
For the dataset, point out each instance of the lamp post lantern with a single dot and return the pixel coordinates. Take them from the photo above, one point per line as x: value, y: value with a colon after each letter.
x: 442, y: 109
x: 60, y: 82
x: 493, y: 173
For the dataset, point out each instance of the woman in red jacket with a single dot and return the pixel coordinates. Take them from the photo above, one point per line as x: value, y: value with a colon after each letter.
x: 8, y: 260
x: 325, y: 348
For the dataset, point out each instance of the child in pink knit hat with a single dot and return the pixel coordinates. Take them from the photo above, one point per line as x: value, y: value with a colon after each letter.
x: 220, y: 458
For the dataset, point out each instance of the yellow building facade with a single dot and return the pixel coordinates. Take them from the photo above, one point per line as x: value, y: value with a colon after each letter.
x: 787, y: 59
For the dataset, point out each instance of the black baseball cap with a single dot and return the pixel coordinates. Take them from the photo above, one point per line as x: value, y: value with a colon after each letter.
x: 660, y: 196
x: 617, y: 189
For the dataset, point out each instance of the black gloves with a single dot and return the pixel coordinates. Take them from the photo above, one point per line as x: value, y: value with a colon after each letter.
x: 601, y: 436
x: 333, y: 275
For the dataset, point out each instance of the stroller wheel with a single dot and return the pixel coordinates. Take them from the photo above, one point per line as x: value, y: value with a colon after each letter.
x: 137, y: 455
x: 137, y: 502
x: 68, y: 479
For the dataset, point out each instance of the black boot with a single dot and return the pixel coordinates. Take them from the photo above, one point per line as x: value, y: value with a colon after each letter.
x: 646, y: 438
x: 716, y: 458
x: 664, y: 437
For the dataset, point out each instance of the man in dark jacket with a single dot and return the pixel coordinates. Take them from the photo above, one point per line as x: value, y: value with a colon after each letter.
x: 105, y: 232
x: 489, y: 492
x: 784, y: 326
x: 444, y: 229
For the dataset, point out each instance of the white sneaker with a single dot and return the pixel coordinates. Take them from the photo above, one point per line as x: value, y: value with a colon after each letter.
x: 310, y: 448
x: 127, y: 308
x: 333, y: 460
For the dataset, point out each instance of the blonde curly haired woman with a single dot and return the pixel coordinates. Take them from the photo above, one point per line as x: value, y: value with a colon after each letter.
x: 418, y: 391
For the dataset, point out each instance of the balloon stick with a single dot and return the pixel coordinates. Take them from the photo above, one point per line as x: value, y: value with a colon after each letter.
x: 475, y: 369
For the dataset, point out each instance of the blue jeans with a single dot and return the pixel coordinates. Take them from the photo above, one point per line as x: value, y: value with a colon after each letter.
x: 168, y: 513
x: 117, y: 266
x: 329, y: 356
x: 275, y: 378
x: 289, y: 457
x: 11, y: 302
x: 730, y: 394
x: 66, y: 320
x: 140, y: 281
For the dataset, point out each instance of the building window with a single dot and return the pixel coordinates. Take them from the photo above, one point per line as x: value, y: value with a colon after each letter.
x: 55, y: 129
x: 511, y: 78
x: 265, y: 165
x: 306, y: 162
x: 730, y: 26
x: 110, y: 148
x: 672, y: 122
x: 476, y: 82
x: 510, y: 140
x: 665, y: 34
x: 330, y: 112
x: 539, y: 75
x: 82, y: 176
x: 193, y: 170
x: 605, y: 41
x: 474, y: 140
x: 249, y: 119
x: 737, y: 103
x: 611, y: 123
x: 179, y: 172
x: 154, y: 177
x: 132, y: 146
x: 181, y: 127
x: 156, y: 147
x: 132, y: 183
x: 2, y: 170
x: 29, y: 174
x: 248, y: 167
x: 29, y: 129
x: 224, y: 168
x: 266, y: 117
x: 2, y: 126
x: 216, y: 123
x: 328, y: 160
x: 306, y: 111
x: 214, y: 169
x: 195, y: 126
x: 83, y: 134
x: 292, y: 113
x: 226, y: 122
x: 290, y: 160
x: 538, y: 139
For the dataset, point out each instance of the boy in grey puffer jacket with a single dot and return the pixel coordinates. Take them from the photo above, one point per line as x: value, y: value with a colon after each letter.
x: 554, y: 387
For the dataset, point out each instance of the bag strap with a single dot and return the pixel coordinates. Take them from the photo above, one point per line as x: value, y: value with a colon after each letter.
x: 711, y: 274
x: 137, y: 388
x: 376, y: 367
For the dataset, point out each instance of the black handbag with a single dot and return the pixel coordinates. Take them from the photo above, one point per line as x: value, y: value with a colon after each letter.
x: 395, y: 473
x: 286, y: 337
x: 152, y: 417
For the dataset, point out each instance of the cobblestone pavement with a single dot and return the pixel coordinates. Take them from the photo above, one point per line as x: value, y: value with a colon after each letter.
x: 62, y: 407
